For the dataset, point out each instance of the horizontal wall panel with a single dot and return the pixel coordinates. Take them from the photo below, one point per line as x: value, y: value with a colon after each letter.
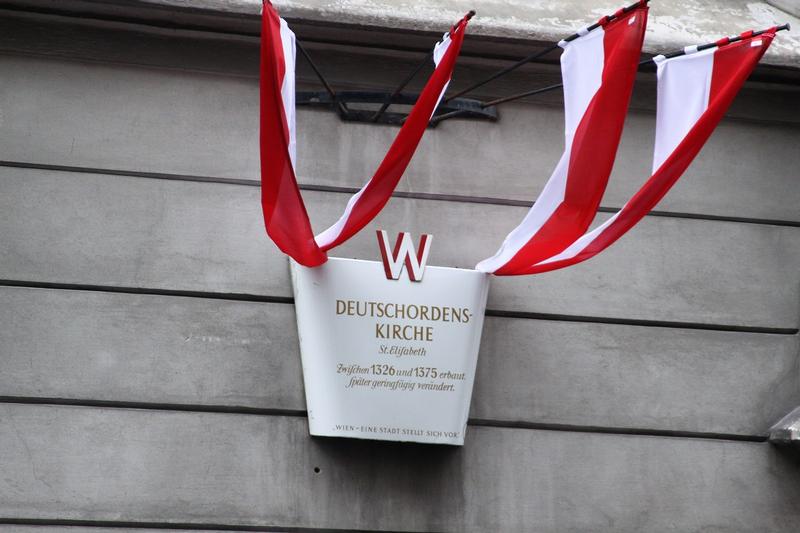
x: 513, y: 159
x: 98, y: 464
x: 121, y: 43
x: 180, y: 235
x: 193, y: 351
x: 634, y: 377
x: 124, y: 118
x: 92, y: 529
x: 142, y: 348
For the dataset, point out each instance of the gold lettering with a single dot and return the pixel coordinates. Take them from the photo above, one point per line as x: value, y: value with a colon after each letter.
x: 424, y: 312
x: 400, y: 311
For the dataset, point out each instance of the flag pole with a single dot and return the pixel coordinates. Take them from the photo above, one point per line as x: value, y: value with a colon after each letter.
x: 399, y: 88
x: 503, y: 72
x: 342, y: 106
x: 537, y: 55
x: 410, y: 77
x: 677, y: 53
x: 723, y: 42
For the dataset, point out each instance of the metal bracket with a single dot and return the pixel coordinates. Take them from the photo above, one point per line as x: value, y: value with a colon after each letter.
x: 364, y: 106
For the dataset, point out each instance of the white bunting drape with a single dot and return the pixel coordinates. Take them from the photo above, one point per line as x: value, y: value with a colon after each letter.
x: 694, y: 92
x: 598, y: 69
x: 285, y: 215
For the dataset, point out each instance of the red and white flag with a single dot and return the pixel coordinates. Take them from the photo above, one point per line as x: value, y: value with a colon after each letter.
x: 285, y: 215
x: 694, y: 92
x: 598, y: 69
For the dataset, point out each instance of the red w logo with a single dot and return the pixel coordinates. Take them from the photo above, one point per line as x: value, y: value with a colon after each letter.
x: 404, y: 254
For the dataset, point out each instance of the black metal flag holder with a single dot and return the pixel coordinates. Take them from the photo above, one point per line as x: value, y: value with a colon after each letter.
x: 339, y: 101
x: 454, y: 105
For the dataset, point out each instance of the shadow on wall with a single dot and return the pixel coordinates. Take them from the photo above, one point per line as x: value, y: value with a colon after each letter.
x: 424, y: 478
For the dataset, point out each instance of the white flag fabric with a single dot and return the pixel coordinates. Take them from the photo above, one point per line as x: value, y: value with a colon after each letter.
x: 598, y: 69
x: 285, y: 215
x: 694, y: 92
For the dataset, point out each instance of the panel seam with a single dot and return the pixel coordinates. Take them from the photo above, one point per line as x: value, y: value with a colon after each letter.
x: 441, y: 197
x: 200, y: 526
x: 247, y: 297
x: 299, y: 413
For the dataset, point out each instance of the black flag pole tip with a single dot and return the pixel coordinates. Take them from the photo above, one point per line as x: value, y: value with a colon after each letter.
x: 782, y: 27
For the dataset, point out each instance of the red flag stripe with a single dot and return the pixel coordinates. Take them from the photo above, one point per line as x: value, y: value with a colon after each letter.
x: 368, y: 202
x: 732, y: 64
x: 569, y: 201
x: 285, y: 215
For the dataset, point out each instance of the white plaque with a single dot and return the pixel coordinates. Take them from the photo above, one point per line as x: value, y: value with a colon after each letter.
x: 388, y: 359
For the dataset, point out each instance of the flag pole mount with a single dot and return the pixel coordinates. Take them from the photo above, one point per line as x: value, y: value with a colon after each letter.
x: 492, y: 103
x: 374, y: 106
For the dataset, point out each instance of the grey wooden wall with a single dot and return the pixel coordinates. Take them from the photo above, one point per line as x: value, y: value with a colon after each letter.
x: 149, y: 366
